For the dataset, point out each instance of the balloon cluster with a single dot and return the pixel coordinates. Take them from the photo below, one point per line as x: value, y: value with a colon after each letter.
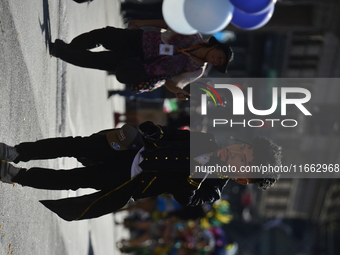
x: 211, y: 16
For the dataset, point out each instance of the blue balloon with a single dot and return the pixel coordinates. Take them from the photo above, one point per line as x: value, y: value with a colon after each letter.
x: 224, y: 36
x: 208, y: 16
x: 253, y: 6
x: 251, y: 21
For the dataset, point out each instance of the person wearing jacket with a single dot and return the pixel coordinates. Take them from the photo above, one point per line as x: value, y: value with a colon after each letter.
x: 123, y: 165
x: 146, y: 59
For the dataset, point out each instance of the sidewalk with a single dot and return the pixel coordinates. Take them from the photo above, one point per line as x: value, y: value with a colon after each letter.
x: 42, y: 97
x: 87, y: 111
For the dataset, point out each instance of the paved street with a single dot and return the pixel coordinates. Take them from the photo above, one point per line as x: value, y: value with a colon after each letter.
x: 42, y: 97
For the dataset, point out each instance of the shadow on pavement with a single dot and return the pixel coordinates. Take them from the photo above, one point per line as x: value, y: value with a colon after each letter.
x: 46, y: 26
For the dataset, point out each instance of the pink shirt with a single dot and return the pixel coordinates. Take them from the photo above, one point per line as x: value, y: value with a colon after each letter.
x: 170, y: 65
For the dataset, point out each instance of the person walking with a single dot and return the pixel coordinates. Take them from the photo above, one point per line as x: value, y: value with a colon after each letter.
x: 146, y: 59
x: 122, y: 167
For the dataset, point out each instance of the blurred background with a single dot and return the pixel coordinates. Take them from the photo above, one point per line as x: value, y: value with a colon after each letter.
x: 296, y: 216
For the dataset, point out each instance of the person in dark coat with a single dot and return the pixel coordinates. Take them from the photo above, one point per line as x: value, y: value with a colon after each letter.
x: 146, y: 59
x: 122, y: 167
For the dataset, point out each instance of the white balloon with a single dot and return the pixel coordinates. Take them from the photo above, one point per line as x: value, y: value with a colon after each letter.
x: 208, y: 16
x: 173, y: 13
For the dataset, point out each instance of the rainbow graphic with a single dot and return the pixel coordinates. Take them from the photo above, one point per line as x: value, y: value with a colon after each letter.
x: 208, y: 90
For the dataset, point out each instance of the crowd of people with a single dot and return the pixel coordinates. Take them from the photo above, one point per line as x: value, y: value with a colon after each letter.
x: 159, y: 225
